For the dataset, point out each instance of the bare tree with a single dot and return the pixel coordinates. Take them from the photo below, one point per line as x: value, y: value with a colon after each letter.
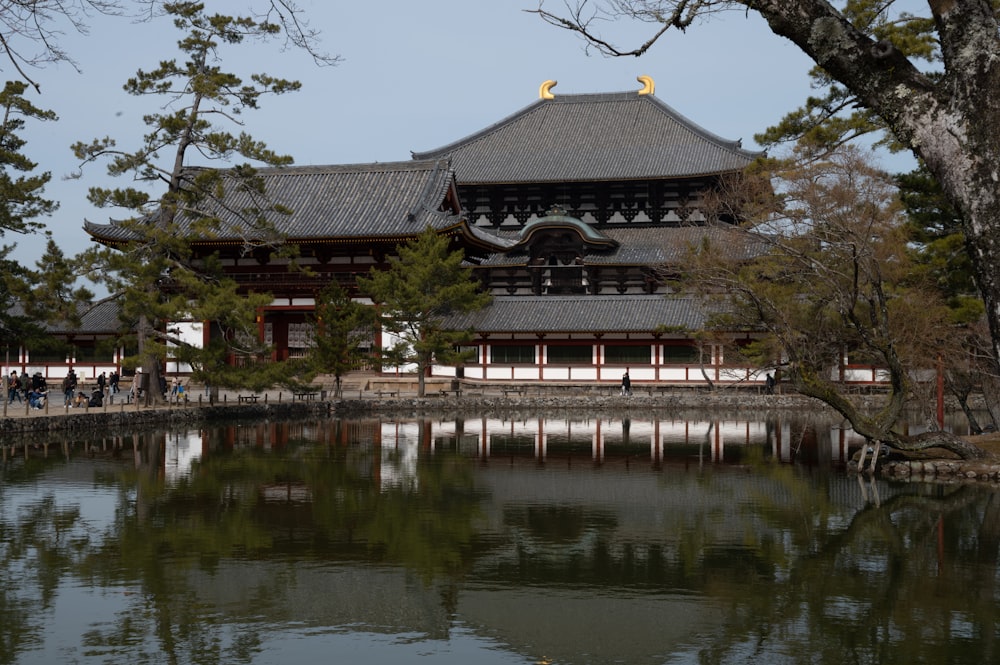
x: 31, y: 31
x: 836, y: 280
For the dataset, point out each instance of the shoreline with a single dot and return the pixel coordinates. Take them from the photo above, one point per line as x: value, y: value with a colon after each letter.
x: 53, y: 419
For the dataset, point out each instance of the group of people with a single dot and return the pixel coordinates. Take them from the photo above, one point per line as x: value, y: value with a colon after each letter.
x: 107, y: 388
x: 34, y: 391
x: 27, y: 389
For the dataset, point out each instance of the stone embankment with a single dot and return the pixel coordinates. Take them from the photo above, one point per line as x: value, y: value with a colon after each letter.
x: 941, y: 471
x: 73, y: 421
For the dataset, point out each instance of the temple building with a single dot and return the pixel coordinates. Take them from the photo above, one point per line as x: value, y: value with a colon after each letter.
x: 572, y: 213
x: 599, y: 196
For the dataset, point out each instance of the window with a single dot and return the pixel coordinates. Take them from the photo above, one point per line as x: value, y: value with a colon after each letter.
x: 511, y: 354
x: 95, y: 353
x: 569, y: 354
x: 43, y: 355
x: 621, y: 354
x: 469, y: 353
x: 680, y: 354
x: 301, y: 335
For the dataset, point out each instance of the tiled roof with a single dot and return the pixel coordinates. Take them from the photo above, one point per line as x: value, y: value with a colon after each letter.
x: 612, y: 136
x: 101, y: 317
x: 564, y: 314
x: 389, y: 199
x: 652, y: 246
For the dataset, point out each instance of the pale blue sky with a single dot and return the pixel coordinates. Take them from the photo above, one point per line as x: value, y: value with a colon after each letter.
x: 414, y: 76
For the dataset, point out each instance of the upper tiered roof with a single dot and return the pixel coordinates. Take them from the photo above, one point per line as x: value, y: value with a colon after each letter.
x: 608, y: 136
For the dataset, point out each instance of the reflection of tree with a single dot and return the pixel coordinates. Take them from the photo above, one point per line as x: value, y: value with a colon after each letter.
x: 874, y: 590
x: 224, y: 510
x: 434, y: 530
x: 38, y: 550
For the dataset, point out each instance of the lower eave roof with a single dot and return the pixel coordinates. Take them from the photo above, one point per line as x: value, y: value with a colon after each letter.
x: 585, y: 313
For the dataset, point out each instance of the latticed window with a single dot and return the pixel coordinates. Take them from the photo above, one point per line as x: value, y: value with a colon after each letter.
x: 469, y: 352
x: 627, y: 354
x: 301, y: 336
x: 512, y: 354
x: 680, y: 354
x: 569, y: 354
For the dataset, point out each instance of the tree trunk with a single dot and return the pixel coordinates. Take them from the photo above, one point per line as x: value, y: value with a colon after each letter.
x: 991, y: 395
x: 938, y: 439
x: 963, y: 403
x: 150, y: 364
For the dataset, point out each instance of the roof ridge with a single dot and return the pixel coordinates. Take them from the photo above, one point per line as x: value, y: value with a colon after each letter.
x: 404, y: 165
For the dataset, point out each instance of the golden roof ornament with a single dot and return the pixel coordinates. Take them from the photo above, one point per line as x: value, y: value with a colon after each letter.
x: 647, y: 84
x: 545, y: 91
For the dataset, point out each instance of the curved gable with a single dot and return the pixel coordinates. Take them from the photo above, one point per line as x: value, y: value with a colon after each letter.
x: 565, y: 230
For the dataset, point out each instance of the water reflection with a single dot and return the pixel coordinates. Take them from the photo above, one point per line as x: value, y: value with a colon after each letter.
x: 504, y: 539
x: 697, y: 438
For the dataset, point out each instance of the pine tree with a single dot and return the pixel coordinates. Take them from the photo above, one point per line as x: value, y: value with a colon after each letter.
x: 21, y: 204
x: 154, y: 272
x: 343, y: 329
x: 421, y: 287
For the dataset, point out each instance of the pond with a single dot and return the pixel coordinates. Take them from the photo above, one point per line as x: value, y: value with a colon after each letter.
x: 523, y: 538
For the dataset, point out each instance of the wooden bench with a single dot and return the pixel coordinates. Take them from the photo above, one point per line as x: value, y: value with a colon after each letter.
x: 390, y: 393
x: 517, y: 391
x: 248, y: 398
x: 306, y: 396
x: 448, y: 391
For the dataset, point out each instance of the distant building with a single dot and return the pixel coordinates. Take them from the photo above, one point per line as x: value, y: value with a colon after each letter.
x: 90, y: 347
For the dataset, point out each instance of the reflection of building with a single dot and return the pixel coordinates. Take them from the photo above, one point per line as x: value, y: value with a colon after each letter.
x: 573, y: 212
x: 657, y: 440
x: 557, y: 560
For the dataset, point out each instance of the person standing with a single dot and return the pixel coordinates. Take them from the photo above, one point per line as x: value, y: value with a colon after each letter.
x: 14, y: 388
x: 102, y: 381
x: 69, y: 387
x: 67, y: 391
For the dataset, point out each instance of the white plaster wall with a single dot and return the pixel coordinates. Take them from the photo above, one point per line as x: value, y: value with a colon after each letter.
x: 190, y: 332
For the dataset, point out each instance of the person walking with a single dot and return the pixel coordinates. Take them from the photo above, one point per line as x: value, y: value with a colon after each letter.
x: 626, y: 385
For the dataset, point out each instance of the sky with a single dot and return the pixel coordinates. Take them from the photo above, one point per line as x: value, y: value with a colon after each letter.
x: 413, y: 76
